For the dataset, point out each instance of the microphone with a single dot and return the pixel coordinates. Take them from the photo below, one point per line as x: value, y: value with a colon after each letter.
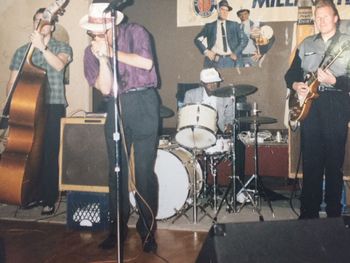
x: 114, y: 5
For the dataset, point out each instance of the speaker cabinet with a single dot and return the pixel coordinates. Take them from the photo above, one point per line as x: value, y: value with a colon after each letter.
x: 290, y: 241
x: 83, y: 155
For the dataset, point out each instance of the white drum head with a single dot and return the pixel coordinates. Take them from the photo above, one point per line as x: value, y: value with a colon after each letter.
x: 173, y: 184
x: 195, y: 138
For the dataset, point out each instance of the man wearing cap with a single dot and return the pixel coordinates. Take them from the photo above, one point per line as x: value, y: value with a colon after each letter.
x: 210, y: 80
x: 252, y: 53
x: 138, y: 107
x: 221, y: 41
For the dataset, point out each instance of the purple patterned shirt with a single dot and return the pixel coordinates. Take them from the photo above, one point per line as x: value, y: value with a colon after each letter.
x: 132, y: 38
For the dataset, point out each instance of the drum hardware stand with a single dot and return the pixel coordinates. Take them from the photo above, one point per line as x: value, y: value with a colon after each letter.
x: 258, y: 185
x: 213, y: 164
x: 231, y: 204
x: 205, y: 177
x: 194, y: 204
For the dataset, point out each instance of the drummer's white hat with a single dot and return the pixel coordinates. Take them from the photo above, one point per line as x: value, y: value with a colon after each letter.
x: 210, y: 75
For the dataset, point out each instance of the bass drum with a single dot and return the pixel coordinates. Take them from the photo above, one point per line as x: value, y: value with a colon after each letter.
x: 175, y: 175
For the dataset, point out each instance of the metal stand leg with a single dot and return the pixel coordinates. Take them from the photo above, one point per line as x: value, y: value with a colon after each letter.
x: 213, y: 172
x: 194, y: 203
x: 259, y: 187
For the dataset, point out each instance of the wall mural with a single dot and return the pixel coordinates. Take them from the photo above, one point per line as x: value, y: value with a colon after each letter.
x: 240, y: 33
x: 200, y: 12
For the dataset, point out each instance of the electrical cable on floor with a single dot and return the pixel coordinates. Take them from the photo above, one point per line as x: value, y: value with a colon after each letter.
x: 292, y: 194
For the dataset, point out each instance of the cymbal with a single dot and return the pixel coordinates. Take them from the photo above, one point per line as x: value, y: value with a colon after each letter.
x: 257, y: 119
x: 235, y: 90
x: 165, y: 112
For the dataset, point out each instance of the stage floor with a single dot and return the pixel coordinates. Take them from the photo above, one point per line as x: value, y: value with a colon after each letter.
x: 26, y: 236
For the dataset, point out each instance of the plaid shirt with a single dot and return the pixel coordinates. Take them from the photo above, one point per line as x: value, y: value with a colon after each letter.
x: 55, y: 91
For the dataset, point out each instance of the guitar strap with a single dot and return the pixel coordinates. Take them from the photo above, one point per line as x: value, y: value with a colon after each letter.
x: 329, y: 50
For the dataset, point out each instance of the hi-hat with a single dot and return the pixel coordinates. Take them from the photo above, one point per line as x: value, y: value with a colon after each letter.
x: 257, y: 119
x: 165, y: 112
x: 235, y: 90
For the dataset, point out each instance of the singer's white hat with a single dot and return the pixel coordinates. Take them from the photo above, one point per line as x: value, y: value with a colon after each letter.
x: 97, y: 20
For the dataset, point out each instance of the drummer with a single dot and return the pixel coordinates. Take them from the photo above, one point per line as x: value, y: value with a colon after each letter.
x: 254, y: 51
x: 210, y: 81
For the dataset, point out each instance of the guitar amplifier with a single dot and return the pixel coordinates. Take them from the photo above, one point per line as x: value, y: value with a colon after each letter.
x: 83, y: 161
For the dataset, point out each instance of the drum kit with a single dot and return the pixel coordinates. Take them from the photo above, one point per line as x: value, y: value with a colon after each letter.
x: 181, y: 179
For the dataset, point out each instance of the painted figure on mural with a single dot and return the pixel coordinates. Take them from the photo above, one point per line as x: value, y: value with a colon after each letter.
x: 221, y: 41
x: 260, y: 39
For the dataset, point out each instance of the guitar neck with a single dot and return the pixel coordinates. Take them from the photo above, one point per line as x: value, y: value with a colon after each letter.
x: 324, y: 66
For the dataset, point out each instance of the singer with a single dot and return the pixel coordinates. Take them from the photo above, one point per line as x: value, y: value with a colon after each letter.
x: 138, y: 106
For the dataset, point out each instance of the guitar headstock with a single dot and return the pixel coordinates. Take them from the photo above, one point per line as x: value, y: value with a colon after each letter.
x: 54, y: 10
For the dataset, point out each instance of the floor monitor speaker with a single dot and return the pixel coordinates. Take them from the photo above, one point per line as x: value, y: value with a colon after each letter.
x: 289, y: 241
x: 83, y: 155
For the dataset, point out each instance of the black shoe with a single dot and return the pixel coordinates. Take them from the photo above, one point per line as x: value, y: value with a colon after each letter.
x: 48, y: 210
x: 150, y: 245
x: 32, y: 205
x: 109, y: 243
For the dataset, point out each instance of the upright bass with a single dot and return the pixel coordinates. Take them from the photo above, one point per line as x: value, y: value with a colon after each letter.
x: 24, y: 114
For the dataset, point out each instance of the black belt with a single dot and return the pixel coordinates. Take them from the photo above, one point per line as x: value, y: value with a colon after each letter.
x: 223, y: 56
x: 323, y: 89
x: 247, y: 55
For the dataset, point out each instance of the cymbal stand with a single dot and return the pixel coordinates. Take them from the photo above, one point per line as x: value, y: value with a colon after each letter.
x: 258, y: 185
x: 231, y: 204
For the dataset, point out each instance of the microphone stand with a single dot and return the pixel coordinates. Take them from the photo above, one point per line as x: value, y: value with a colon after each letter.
x: 116, y: 135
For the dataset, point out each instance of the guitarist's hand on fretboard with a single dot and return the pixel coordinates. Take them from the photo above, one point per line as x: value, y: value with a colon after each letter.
x: 325, y: 76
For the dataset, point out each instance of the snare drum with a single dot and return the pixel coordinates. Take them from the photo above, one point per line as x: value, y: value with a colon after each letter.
x: 223, y: 145
x: 196, y: 126
x: 175, y: 175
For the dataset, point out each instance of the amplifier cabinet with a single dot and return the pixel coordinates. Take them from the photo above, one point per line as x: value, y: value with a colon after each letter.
x: 83, y: 161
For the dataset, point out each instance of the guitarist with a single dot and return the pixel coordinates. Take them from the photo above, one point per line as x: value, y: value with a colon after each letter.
x: 53, y: 56
x: 324, y: 130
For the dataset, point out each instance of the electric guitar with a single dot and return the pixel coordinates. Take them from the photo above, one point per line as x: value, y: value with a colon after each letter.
x: 299, y: 107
